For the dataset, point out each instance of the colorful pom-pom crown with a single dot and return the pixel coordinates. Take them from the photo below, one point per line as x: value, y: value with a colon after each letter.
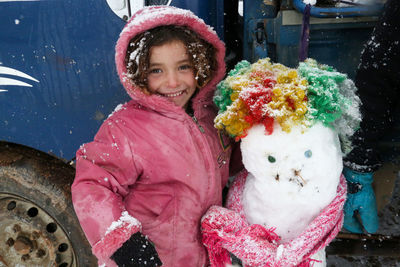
x: 265, y: 93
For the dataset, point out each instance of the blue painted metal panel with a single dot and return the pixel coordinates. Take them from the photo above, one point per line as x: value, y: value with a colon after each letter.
x: 68, y: 46
x: 254, y: 12
x: 211, y: 11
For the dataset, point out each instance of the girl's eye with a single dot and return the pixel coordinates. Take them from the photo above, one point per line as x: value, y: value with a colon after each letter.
x: 271, y: 159
x: 185, y: 67
x: 155, y: 71
x: 308, y: 154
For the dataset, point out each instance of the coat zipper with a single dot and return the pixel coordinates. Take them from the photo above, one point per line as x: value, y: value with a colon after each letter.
x: 198, y: 124
x: 208, y: 153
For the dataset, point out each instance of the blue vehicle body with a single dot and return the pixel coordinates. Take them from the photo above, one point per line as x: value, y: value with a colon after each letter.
x: 67, y: 46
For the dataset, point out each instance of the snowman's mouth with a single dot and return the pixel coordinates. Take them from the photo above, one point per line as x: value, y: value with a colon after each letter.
x: 296, y: 179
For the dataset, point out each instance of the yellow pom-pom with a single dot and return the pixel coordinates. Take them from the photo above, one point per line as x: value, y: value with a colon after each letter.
x: 292, y: 74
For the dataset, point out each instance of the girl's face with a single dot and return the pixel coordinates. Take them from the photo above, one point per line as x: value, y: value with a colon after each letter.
x: 171, y: 73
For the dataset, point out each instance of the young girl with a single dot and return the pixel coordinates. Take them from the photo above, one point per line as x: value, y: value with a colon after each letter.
x: 157, y: 164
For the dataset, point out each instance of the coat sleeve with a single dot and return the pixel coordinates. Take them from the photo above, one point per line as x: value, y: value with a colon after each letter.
x: 105, y: 168
x: 378, y: 83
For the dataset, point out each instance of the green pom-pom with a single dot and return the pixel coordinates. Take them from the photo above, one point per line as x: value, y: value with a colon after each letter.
x: 323, y: 94
x: 332, y: 100
x: 222, y: 97
x: 240, y: 68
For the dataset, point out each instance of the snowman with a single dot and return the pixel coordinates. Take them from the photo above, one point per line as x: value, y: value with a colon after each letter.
x: 294, y: 126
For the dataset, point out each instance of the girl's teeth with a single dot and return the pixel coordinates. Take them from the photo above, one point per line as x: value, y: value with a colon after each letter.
x: 173, y: 95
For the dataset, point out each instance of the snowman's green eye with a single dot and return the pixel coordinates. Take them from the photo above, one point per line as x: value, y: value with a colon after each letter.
x: 271, y: 159
x: 308, y: 154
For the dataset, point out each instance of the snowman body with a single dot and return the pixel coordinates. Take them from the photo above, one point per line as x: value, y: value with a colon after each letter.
x: 292, y: 177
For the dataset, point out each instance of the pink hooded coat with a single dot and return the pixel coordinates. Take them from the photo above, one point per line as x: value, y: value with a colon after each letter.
x: 151, y: 167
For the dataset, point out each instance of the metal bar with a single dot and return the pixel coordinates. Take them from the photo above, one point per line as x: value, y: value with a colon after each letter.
x: 348, y: 244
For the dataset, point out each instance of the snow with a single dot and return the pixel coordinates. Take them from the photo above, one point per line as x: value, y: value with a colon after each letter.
x: 124, y: 219
x: 279, y: 251
x: 117, y: 108
x: 135, y: 56
x: 310, y: 2
x: 153, y: 14
x: 290, y: 192
x: 240, y: 8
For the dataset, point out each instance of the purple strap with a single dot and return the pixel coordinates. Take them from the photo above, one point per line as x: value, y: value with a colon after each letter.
x: 305, y: 34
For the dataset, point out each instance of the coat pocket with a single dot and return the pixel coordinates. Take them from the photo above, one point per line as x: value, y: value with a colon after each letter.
x: 151, y: 208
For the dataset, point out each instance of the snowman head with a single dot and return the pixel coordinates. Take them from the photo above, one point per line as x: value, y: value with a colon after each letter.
x: 278, y: 100
x: 297, y: 158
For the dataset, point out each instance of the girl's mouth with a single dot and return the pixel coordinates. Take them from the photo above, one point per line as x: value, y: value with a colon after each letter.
x: 171, y: 95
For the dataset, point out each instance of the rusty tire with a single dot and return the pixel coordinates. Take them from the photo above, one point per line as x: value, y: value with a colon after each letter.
x: 38, y: 226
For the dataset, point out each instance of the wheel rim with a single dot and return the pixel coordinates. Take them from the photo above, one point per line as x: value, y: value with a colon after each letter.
x: 30, y: 236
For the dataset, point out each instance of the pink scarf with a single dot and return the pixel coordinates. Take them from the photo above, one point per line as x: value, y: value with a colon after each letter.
x: 226, y: 230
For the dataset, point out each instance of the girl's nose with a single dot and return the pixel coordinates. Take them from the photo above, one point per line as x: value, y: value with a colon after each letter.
x: 172, y: 80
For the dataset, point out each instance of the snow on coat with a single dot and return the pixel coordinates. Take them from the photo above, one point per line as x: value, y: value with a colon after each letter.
x: 151, y: 167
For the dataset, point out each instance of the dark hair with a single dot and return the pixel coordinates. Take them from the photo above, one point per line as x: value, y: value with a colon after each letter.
x: 201, y: 53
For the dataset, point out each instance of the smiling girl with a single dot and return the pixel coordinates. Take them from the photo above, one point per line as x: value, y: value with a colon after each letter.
x: 157, y: 164
x: 170, y: 61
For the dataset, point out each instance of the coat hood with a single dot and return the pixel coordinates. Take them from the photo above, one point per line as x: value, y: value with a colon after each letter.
x: 151, y: 17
